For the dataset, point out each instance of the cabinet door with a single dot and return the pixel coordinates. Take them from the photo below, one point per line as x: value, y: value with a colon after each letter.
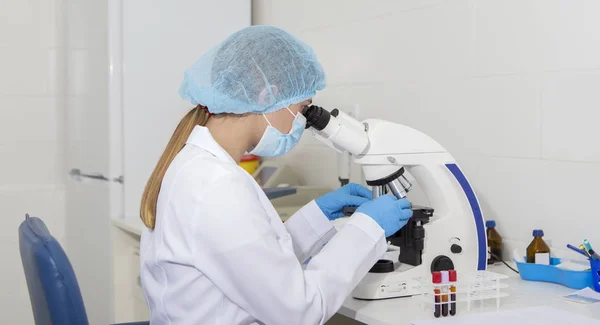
x: 91, y: 191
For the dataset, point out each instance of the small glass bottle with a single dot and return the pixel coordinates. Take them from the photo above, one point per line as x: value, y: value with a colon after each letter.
x: 494, y: 242
x: 538, y: 252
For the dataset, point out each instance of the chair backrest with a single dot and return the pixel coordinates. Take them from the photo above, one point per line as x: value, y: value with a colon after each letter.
x: 53, y: 288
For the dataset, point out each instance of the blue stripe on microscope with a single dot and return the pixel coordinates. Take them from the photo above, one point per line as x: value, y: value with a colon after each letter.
x: 481, y: 238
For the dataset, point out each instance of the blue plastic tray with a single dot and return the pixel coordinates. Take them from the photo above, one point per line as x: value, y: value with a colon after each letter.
x: 550, y: 273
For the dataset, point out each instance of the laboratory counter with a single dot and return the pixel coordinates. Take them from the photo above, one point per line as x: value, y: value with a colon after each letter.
x: 400, y: 311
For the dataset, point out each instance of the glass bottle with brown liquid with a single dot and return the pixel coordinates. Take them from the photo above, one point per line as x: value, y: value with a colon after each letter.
x: 538, y: 252
x: 494, y: 242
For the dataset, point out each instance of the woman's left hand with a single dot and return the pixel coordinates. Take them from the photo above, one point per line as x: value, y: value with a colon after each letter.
x: 351, y: 194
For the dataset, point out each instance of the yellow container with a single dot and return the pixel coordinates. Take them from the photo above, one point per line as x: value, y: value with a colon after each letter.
x: 250, y: 163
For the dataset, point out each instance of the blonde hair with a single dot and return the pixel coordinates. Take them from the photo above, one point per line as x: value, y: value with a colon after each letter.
x: 197, y: 116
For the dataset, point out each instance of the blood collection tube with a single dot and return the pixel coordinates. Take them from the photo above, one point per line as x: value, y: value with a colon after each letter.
x: 452, y: 274
x: 436, y: 278
x: 445, y: 281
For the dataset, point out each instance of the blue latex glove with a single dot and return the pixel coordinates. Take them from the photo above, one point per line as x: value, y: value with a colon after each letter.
x: 351, y: 194
x: 390, y: 213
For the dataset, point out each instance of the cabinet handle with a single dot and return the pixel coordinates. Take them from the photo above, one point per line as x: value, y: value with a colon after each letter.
x: 78, y: 176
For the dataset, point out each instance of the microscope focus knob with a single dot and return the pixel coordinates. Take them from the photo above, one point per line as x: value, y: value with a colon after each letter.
x: 456, y: 249
x: 442, y: 263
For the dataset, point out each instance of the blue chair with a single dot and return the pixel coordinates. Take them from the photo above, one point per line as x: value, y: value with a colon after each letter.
x: 53, y: 288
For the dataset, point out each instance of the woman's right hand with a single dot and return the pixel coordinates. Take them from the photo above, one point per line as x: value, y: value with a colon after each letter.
x: 390, y: 213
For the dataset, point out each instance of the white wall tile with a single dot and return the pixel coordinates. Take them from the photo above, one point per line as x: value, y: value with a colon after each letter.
x: 74, y: 129
x: 82, y: 65
x: 510, y: 192
x: 3, y: 80
x: 571, y: 116
x: 560, y: 34
x: 570, y: 193
x: 28, y: 71
x: 591, y: 37
x: 568, y: 33
x: 81, y: 121
x: 48, y: 205
x: 77, y: 66
x: 536, y: 35
x: 57, y: 71
x: 506, y: 37
x: 77, y: 38
x: 28, y: 119
x: 31, y: 149
x: 388, y: 48
x: 29, y: 24
x: 297, y: 16
x: 88, y: 17
x: 504, y: 115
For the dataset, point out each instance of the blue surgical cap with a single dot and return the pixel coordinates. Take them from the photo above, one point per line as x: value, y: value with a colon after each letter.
x: 259, y: 69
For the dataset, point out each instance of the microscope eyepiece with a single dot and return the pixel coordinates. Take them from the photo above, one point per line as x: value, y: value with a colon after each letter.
x: 336, y: 129
x: 316, y: 117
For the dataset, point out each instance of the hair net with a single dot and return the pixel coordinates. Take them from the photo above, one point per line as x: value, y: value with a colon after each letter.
x: 259, y: 69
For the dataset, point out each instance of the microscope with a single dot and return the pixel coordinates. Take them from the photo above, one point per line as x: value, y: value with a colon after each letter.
x: 447, y: 235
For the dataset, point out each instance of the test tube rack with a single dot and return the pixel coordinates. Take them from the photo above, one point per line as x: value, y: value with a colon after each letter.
x: 477, y: 286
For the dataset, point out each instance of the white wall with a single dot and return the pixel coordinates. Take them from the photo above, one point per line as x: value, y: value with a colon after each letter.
x: 31, y: 137
x: 511, y: 88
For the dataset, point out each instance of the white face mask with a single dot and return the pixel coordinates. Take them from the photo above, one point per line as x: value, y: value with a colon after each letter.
x: 273, y: 143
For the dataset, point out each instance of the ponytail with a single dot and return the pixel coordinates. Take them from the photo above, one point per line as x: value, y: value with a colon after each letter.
x: 197, y: 116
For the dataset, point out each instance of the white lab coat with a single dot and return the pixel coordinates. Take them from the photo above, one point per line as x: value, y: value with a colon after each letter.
x: 219, y: 253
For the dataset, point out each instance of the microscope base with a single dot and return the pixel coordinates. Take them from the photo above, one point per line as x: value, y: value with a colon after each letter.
x: 375, y: 286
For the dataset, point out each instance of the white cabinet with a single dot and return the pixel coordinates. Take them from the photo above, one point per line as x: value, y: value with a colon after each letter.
x: 129, y: 303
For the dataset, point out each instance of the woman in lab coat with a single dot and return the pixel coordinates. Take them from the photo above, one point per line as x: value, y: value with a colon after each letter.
x: 215, y: 251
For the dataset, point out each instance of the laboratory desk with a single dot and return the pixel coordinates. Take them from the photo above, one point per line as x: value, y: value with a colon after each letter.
x: 129, y: 303
x: 521, y: 294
